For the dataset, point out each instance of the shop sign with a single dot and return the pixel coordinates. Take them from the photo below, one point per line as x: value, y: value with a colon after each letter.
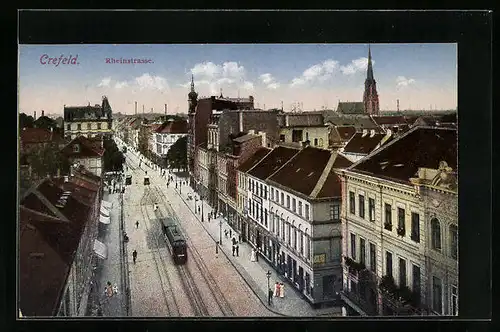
x: 319, y: 259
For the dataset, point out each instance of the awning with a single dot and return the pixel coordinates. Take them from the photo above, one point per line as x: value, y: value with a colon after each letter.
x: 106, y: 204
x: 104, y: 220
x: 104, y: 211
x: 100, y: 249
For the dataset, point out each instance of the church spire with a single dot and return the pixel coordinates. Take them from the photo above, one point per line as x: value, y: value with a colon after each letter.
x: 192, y: 83
x: 369, y: 74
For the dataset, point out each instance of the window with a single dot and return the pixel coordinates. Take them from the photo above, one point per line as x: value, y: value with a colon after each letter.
x: 335, y: 212
x: 99, y: 126
x: 79, y: 126
x: 295, y: 238
x: 362, y: 251
x: 401, y: 221
x: 416, y: 280
x: 283, y: 229
x: 435, y: 234
x: 282, y: 199
x: 320, y: 142
x: 249, y: 206
x: 315, y: 142
x: 288, y: 233
x: 352, y: 204
x: 300, y: 208
x: 373, y: 258
x: 89, y: 126
x: 301, y: 243
x: 415, y: 227
x: 306, y: 212
x: 68, y: 127
x: 388, y: 263
x: 287, y: 201
x: 308, y: 243
x: 361, y: 202
x: 307, y: 136
x: 278, y: 226
x: 76, y: 148
x: 294, y: 205
x: 388, y: 217
x: 402, y: 272
x: 272, y: 193
x: 371, y: 209
x: 282, y: 138
x: 353, y: 246
x: 454, y: 300
x: 437, y: 295
x: 109, y: 125
x: 265, y: 192
x: 454, y: 241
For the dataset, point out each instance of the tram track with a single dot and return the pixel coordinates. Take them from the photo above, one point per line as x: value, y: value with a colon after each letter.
x: 217, y: 294
x: 169, y: 299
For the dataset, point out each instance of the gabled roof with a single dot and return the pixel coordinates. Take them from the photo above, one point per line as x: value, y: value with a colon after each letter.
x: 400, y: 159
x: 254, y: 159
x: 360, y: 122
x: 390, y: 120
x: 272, y: 162
x: 351, y: 108
x: 244, y: 138
x: 302, y: 172
x: 88, y: 148
x: 363, y: 145
x: 38, y: 135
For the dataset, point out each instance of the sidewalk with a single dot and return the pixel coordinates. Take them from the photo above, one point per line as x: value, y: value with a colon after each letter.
x: 254, y: 273
x: 110, y: 268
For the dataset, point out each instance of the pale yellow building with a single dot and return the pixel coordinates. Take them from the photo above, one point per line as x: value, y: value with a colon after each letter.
x: 89, y: 121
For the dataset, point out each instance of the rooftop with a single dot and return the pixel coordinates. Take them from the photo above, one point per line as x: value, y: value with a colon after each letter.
x: 38, y: 135
x: 400, y: 159
x: 363, y: 144
x: 87, y: 148
x: 254, y: 159
x: 351, y: 107
x: 272, y: 162
x: 173, y: 127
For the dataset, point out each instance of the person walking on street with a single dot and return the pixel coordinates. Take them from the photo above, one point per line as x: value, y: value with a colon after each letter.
x: 276, y: 289
x: 269, y: 296
x: 230, y: 232
x: 234, y: 249
x: 134, y: 256
x: 209, y: 216
x: 282, y: 290
x: 137, y: 224
x: 237, y: 250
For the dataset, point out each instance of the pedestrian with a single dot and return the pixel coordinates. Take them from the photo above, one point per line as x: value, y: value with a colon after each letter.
x: 276, y: 289
x: 233, y: 240
x: 234, y: 249
x: 137, y: 224
x: 209, y: 216
x: 252, y: 255
x: 282, y: 290
x: 134, y: 256
x: 269, y: 296
x: 230, y: 232
x: 198, y: 209
x: 239, y: 238
x: 237, y: 250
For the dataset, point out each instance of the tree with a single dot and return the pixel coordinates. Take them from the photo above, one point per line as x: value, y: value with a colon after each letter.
x: 177, y: 154
x: 25, y: 121
x: 113, y: 158
x: 47, y: 160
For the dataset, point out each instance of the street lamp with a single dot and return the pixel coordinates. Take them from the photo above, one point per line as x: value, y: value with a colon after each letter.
x: 202, y: 214
x: 195, y: 200
x: 268, y: 275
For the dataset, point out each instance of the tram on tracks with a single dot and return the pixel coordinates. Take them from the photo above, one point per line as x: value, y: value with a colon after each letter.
x: 146, y: 180
x: 175, y: 240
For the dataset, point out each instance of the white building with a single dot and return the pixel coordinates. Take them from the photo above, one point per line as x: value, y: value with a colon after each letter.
x: 167, y: 134
x: 386, y: 232
x: 85, y: 152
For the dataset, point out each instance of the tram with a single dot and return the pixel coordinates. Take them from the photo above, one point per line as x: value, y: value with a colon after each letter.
x: 175, y: 240
x: 146, y: 180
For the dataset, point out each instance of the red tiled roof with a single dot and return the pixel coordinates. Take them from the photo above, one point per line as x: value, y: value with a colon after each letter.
x: 390, y: 120
x: 88, y: 148
x: 78, y: 189
x: 419, y: 147
x: 302, y: 172
x: 346, y: 132
x: 342, y: 162
x: 38, y: 135
x: 332, y: 186
x: 363, y: 145
x: 272, y: 162
x: 173, y: 127
x: 254, y: 159
x: 41, y: 279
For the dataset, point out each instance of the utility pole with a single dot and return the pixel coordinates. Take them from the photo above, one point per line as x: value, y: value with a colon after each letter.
x: 165, y: 109
x: 135, y: 112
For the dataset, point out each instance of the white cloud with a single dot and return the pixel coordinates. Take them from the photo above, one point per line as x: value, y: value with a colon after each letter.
x: 321, y: 71
x: 120, y: 85
x: 232, y: 69
x: 356, y: 66
x: 247, y: 85
x: 273, y: 86
x: 402, y: 81
x: 215, y: 77
x: 206, y: 69
x: 146, y: 81
x: 105, y: 82
x: 269, y: 81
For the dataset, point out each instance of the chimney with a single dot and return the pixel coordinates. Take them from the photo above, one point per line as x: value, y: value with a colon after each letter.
x: 66, y: 178
x: 165, y: 109
x: 286, y: 120
x: 135, y: 108
x: 262, y: 134
x: 142, y: 109
x: 251, y: 132
x: 240, y: 121
x: 34, y: 115
x: 365, y: 132
x: 43, y: 113
x: 398, y: 105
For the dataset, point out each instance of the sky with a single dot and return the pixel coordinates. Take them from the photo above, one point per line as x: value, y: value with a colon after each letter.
x: 310, y: 76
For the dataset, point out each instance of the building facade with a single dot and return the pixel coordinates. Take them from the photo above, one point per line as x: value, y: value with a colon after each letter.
x: 88, y: 121
x: 386, y: 218
x: 86, y: 152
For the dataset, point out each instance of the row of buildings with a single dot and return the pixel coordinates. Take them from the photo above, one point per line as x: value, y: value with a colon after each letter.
x: 345, y: 205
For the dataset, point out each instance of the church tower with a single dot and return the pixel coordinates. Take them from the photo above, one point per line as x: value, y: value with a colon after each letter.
x: 370, y: 97
x: 193, y: 101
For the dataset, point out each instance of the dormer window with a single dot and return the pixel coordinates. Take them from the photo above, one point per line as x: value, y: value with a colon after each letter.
x: 76, y: 148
